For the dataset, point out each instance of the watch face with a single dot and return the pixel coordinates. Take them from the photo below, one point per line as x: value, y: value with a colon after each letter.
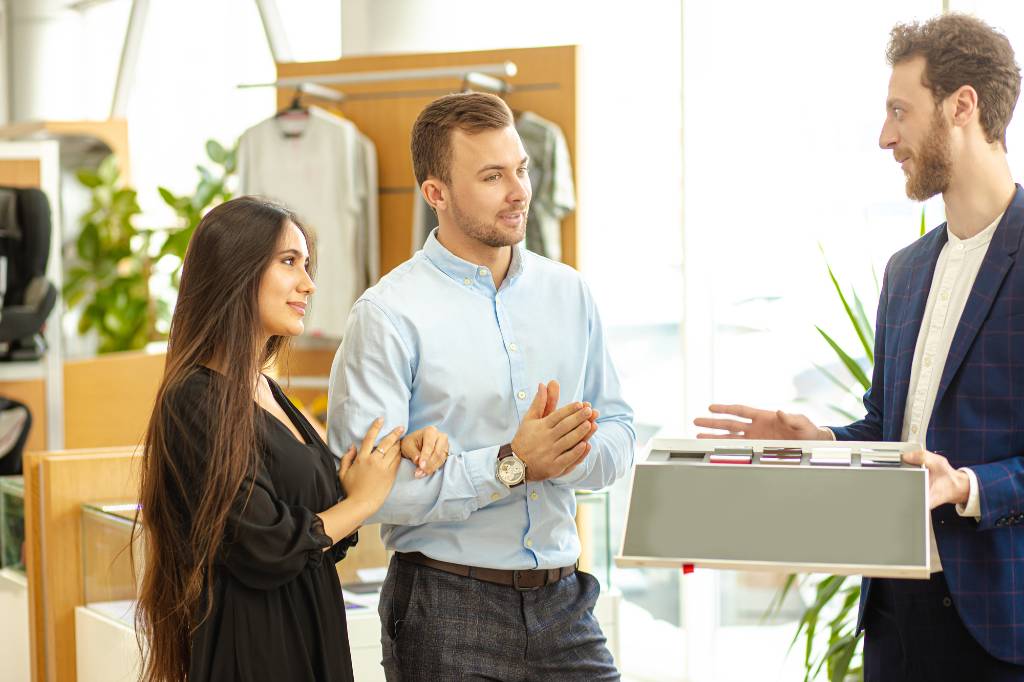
x: 511, y: 470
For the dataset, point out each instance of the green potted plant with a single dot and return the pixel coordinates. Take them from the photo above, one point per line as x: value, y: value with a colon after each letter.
x: 114, y: 275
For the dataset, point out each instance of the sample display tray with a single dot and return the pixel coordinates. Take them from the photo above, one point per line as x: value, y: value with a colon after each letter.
x: 840, y: 507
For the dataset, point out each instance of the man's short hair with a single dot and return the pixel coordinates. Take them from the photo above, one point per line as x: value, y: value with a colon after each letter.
x: 961, y: 50
x: 470, y: 112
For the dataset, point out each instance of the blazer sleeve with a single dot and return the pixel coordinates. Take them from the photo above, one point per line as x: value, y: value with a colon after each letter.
x: 870, y: 427
x: 267, y: 543
x: 1001, y: 490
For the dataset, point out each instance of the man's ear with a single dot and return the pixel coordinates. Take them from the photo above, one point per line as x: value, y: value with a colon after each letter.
x: 436, y: 193
x: 965, y: 105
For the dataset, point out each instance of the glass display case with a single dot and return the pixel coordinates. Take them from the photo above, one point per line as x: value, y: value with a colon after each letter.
x: 593, y: 521
x: 12, y: 523
x: 111, y: 559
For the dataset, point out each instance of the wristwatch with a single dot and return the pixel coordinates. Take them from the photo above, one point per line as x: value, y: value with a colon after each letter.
x: 511, y: 470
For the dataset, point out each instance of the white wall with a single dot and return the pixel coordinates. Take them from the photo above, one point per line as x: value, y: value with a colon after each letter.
x: 63, y: 61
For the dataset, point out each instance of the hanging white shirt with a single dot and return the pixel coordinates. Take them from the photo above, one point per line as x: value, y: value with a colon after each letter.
x: 321, y: 173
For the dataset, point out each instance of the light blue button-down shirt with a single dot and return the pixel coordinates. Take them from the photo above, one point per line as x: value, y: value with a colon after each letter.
x: 433, y: 343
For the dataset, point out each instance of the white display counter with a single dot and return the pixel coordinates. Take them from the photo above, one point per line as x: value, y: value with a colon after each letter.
x: 14, y: 632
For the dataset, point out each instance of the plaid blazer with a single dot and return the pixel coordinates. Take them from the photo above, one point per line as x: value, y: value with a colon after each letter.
x: 978, y: 422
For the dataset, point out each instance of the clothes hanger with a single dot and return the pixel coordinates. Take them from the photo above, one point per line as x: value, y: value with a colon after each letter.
x: 293, y: 118
x: 476, y: 82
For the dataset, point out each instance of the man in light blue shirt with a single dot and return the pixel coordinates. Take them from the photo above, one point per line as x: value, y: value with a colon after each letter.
x: 478, y: 337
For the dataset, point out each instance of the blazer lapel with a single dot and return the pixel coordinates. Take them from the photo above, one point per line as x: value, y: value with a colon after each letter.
x: 997, y: 262
x: 922, y: 269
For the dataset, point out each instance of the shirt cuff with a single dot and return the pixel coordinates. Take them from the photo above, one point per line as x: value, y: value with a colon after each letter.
x: 482, y: 467
x: 831, y: 434
x: 973, y: 506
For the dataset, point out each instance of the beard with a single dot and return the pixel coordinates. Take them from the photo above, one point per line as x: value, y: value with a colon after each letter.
x: 487, y: 233
x: 933, y: 164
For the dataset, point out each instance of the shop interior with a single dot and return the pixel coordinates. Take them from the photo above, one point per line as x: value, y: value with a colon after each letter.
x: 707, y: 176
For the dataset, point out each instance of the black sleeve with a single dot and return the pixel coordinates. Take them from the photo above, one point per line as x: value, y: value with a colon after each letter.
x: 267, y: 543
x: 341, y: 547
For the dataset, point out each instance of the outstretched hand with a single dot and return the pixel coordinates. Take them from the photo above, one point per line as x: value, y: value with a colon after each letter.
x: 759, y: 424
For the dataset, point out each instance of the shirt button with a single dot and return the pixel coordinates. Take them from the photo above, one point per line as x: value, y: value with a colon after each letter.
x: 529, y: 542
x: 482, y: 271
x: 521, y: 395
x: 534, y: 495
x: 947, y: 602
x: 927, y: 362
x: 513, y: 347
x: 467, y: 281
x: 945, y: 295
x: 959, y: 247
x: 913, y: 429
x: 495, y: 497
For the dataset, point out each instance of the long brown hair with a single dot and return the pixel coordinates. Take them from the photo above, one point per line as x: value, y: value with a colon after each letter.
x: 185, y: 505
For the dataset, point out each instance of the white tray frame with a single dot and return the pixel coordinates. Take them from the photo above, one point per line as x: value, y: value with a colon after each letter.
x: 708, y: 445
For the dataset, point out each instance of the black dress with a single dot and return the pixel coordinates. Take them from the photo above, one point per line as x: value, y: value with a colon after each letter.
x: 278, y: 612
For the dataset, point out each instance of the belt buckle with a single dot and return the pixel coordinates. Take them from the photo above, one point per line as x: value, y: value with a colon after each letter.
x: 515, y: 583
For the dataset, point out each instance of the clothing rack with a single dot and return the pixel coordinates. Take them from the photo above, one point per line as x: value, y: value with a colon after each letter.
x: 383, y: 94
x: 318, y: 91
x: 483, y: 76
x: 438, y: 92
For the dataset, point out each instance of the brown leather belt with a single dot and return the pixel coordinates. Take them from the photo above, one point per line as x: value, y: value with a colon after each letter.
x: 524, y: 581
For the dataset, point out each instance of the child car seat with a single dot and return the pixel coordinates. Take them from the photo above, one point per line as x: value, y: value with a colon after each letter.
x: 26, y: 296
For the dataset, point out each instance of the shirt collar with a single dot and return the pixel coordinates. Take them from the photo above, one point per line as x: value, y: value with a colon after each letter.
x: 464, y: 272
x: 978, y: 240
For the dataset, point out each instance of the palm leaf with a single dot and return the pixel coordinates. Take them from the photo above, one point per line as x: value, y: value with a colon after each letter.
x: 865, y: 323
x: 845, y: 414
x: 837, y: 381
x: 776, y: 604
x: 851, y: 365
x: 851, y: 315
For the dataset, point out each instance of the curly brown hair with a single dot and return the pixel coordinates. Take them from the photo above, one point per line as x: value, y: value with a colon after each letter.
x: 962, y: 50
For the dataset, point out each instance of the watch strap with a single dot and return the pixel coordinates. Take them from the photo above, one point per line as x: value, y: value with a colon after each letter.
x: 506, y: 451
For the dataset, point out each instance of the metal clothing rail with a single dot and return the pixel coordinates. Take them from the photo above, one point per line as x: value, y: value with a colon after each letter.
x: 506, y: 69
x: 318, y: 91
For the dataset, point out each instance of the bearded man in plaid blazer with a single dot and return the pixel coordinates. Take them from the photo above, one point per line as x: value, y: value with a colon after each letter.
x: 949, y: 363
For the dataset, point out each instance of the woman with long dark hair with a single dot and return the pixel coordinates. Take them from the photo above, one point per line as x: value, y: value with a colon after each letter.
x: 244, y: 514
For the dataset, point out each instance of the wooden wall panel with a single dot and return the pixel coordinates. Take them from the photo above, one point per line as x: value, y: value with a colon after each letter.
x: 34, y: 566
x: 33, y: 393
x: 545, y: 84
x: 108, y: 399
x: 66, y: 481
x: 304, y: 362
x: 20, y: 173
